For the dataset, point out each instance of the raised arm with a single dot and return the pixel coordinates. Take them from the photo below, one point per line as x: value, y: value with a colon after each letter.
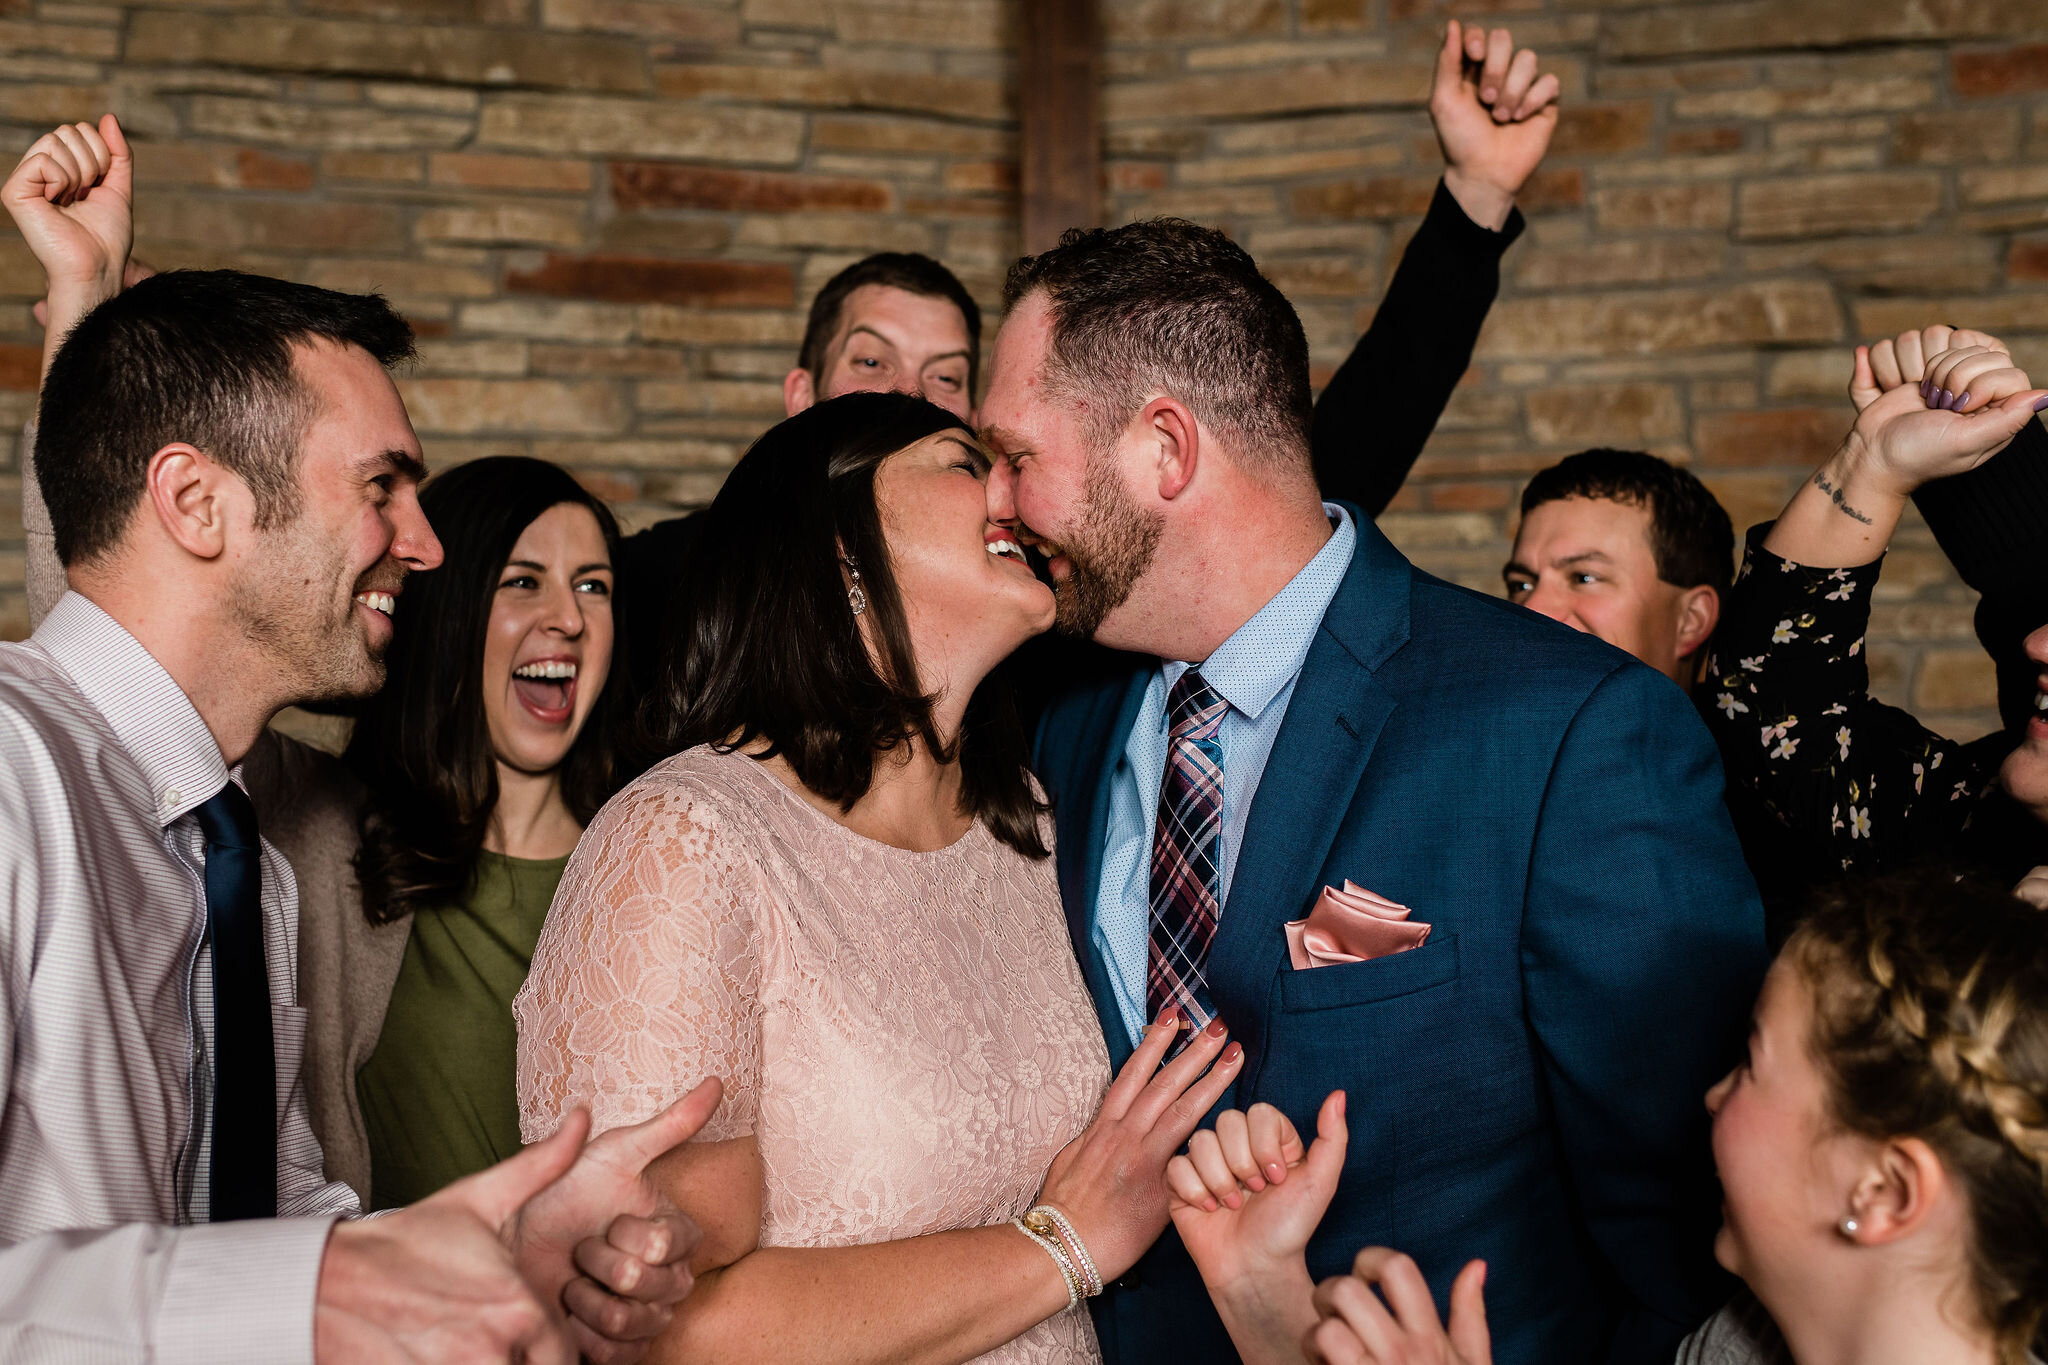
x: 72, y: 197
x: 1494, y: 114
x: 1904, y: 439
x: 1987, y: 521
x: 1837, y: 780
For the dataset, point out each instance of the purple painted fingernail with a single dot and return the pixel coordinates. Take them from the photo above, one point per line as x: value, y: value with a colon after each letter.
x: 2041, y: 402
x: 1962, y: 401
x: 1947, y: 400
x: 1926, y: 390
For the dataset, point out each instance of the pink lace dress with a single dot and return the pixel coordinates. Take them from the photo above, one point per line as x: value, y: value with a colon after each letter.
x: 906, y: 1035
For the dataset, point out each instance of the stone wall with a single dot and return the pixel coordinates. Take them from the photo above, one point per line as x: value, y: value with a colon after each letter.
x: 606, y: 215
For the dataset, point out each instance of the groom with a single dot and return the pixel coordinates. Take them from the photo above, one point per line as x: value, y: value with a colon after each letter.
x: 1299, y: 707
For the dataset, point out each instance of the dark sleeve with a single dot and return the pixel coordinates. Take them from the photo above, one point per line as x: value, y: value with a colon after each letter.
x: 1989, y: 523
x: 1378, y: 410
x: 651, y: 570
x: 1641, y: 922
x: 1862, y: 785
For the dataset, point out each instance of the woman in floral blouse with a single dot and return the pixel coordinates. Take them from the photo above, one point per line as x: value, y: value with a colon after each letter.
x: 1825, y: 778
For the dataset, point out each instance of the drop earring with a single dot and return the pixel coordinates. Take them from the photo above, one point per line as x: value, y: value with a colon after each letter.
x: 856, y: 596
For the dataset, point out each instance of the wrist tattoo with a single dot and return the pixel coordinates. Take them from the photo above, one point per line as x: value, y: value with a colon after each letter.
x: 1820, y: 481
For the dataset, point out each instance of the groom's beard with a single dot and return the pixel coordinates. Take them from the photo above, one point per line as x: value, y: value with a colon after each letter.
x: 1106, y: 554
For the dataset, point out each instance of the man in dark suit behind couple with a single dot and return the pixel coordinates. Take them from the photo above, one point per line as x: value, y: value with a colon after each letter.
x: 1310, y: 709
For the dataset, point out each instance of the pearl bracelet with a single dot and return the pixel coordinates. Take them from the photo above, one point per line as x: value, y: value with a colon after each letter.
x: 1052, y: 1248
x: 1049, y: 1221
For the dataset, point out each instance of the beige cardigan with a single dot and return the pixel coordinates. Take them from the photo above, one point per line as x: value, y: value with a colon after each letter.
x: 306, y: 806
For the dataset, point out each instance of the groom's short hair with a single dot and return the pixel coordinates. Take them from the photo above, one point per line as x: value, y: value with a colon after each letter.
x: 1166, y: 306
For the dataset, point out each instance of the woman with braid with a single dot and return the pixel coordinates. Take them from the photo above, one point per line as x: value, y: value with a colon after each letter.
x: 1883, y: 1152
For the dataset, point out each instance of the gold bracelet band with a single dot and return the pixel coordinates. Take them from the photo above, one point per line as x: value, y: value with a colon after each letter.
x: 1048, y: 1221
x: 1052, y: 1247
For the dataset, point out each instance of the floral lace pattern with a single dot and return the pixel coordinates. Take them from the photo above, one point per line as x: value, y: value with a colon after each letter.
x: 906, y: 1035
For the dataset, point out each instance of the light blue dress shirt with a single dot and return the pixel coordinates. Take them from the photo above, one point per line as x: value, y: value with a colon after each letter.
x: 1255, y: 671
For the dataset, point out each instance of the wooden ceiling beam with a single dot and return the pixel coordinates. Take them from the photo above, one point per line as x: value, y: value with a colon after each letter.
x: 1059, y: 73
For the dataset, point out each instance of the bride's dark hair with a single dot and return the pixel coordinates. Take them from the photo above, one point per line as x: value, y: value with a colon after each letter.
x: 764, y: 644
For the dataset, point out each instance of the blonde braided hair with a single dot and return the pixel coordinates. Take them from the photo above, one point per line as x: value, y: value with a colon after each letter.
x: 1931, y: 1021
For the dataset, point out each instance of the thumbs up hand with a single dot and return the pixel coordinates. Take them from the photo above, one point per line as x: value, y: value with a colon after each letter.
x: 1246, y: 1199
x: 436, y: 1283
x: 603, y: 1240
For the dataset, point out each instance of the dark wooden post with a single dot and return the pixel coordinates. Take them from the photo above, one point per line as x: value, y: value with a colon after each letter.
x: 1059, y: 119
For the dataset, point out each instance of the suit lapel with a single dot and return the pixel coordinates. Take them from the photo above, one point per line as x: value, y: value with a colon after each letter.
x: 1081, y: 822
x: 1313, y: 774
x: 1333, y: 721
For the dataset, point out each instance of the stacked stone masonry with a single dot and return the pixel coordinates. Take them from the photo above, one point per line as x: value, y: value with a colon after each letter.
x: 605, y: 216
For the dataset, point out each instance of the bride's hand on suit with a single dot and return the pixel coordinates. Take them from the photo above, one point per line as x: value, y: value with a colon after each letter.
x: 1111, y: 1180
x: 1247, y: 1197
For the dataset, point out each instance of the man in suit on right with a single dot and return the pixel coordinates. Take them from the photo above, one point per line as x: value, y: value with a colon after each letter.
x: 1299, y: 707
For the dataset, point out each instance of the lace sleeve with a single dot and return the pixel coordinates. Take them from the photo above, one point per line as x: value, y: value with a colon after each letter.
x: 646, y: 978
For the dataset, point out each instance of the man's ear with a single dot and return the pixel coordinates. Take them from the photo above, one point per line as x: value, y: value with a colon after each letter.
x: 1699, y: 611
x: 1174, y: 441
x: 798, y: 392
x: 1902, y: 1188
x: 190, y: 497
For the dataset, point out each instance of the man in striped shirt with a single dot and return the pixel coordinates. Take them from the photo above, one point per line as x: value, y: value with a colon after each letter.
x: 231, y: 478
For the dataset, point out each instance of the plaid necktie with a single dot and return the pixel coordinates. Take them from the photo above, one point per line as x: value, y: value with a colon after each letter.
x: 1187, y: 849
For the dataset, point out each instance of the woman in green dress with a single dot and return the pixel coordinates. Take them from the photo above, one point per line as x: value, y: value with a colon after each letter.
x: 494, y: 740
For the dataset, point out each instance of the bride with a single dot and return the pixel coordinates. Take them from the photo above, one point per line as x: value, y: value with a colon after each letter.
x: 836, y: 896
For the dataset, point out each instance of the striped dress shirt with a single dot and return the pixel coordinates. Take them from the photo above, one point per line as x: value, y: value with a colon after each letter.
x: 106, y: 1021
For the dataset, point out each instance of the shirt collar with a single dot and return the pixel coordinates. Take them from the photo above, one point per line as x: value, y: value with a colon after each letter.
x: 148, y: 712
x: 1265, y: 653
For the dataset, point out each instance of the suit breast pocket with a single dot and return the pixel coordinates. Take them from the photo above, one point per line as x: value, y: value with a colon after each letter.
x: 1434, y: 964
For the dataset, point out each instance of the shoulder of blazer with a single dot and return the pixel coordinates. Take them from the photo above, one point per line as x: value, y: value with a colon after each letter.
x: 1388, y: 612
x: 1089, y: 699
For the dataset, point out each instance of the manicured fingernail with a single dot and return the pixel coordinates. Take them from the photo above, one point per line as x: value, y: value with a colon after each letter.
x: 1217, y: 1028
x: 1924, y: 390
x: 1946, y: 400
x: 1962, y: 401
x: 1276, y: 1171
x: 1232, y: 1053
x: 2041, y: 403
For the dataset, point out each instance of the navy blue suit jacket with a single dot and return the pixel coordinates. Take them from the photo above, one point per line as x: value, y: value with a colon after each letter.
x: 1526, y: 1087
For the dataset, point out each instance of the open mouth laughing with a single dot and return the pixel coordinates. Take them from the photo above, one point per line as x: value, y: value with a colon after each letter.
x: 1008, y: 549
x: 547, y: 688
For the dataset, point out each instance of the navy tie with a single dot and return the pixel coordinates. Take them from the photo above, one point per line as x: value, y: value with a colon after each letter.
x: 243, y: 1173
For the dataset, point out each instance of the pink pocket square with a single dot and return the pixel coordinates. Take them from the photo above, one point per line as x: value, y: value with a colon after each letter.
x: 1352, y: 925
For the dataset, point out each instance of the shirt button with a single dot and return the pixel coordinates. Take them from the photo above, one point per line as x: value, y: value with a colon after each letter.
x: 172, y: 797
